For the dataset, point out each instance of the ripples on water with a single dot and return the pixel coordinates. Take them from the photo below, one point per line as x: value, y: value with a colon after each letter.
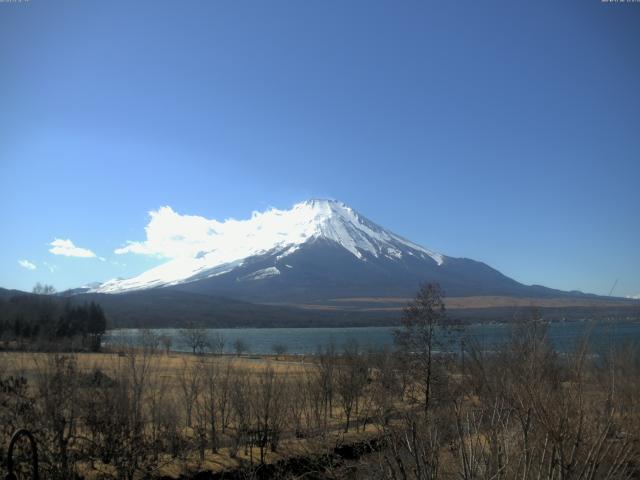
x: 564, y: 335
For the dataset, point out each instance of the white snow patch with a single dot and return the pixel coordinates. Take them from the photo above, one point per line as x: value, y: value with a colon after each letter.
x: 261, y: 274
x: 394, y: 253
x: 288, y: 251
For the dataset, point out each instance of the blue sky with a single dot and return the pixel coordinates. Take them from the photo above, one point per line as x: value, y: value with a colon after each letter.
x: 506, y: 132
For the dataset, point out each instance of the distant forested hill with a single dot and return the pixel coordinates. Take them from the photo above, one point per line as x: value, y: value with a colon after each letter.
x: 40, y: 319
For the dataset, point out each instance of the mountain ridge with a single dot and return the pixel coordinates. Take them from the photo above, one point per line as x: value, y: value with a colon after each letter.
x: 318, y: 250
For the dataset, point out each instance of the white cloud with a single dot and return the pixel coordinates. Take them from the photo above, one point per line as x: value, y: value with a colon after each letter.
x: 174, y: 236
x: 68, y: 249
x: 27, y: 264
x: 52, y: 268
x: 635, y: 297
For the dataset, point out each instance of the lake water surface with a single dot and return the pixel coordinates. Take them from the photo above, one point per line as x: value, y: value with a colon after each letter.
x: 564, y: 336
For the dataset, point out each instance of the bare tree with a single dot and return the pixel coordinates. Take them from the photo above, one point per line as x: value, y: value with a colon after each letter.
x: 223, y: 393
x: 240, y: 346
x: 211, y: 374
x: 166, y: 342
x: 40, y: 289
x: 386, y: 389
x: 195, y: 338
x: 351, y: 379
x: 279, y: 349
x: 149, y: 340
x: 57, y: 389
x: 190, y: 385
x: 417, y: 337
x: 326, y: 362
x: 240, y: 401
x: 217, y: 343
x: 267, y: 405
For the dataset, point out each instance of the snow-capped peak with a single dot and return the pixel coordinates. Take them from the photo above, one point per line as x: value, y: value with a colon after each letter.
x: 208, y: 247
x: 336, y: 221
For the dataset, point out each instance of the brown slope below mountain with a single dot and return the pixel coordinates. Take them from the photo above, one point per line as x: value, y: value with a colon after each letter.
x: 491, y: 301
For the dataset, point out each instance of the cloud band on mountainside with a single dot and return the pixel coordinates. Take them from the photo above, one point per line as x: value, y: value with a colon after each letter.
x: 172, y: 235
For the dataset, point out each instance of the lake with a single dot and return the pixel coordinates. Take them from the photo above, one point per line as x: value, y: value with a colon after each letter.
x: 564, y: 335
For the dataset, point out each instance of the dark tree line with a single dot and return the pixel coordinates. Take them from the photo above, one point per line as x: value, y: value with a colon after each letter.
x: 44, y: 318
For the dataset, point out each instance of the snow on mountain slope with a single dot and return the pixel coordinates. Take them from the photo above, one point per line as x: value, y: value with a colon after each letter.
x: 212, y: 248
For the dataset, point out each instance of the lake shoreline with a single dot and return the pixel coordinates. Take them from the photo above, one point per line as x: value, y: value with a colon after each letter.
x: 309, y: 340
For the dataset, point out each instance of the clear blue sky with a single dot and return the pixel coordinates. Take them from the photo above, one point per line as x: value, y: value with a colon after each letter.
x: 507, y: 132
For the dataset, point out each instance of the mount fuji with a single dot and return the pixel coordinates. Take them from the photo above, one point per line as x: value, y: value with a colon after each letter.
x: 317, y: 251
x: 320, y: 263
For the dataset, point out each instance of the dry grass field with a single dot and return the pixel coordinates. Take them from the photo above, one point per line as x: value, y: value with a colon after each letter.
x: 520, y: 411
x: 180, y: 380
x: 29, y: 363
